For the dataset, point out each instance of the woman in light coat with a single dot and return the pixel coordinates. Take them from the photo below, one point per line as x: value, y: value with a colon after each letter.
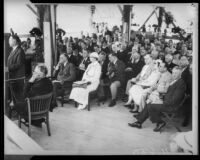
x: 137, y: 91
x: 91, y: 75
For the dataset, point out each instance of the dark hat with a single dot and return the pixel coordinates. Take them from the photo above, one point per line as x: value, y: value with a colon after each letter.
x: 36, y: 31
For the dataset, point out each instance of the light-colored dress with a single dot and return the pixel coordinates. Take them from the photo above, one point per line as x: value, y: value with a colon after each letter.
x: 162, y: 87
x: 92, y: 74
x: 137, y: 91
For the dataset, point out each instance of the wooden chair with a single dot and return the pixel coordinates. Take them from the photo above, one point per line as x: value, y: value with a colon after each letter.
x: 170, y: 116
x: 38, y: 107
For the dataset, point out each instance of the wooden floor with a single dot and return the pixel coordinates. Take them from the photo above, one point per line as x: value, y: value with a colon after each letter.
x: 101, y: 131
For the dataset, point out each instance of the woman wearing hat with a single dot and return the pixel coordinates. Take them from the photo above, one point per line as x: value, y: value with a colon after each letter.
x: 92, y: 77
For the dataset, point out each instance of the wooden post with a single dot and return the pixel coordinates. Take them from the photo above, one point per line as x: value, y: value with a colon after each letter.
x: 47, y: 40
x: 148, y: 18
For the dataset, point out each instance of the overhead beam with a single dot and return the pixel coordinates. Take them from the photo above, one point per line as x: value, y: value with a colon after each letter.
x: 148, y: 18
x: 32, y: 10
x: 120, y: 9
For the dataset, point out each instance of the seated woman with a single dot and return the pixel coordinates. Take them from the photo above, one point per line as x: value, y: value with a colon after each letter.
x: 136, y: 91
x: 91, y: 76
x: 37, y: 85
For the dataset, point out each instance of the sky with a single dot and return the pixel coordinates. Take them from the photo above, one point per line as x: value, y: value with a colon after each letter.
x: 74, y: 18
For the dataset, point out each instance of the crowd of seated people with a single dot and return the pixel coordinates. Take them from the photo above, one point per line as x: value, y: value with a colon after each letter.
x: 142, y: 69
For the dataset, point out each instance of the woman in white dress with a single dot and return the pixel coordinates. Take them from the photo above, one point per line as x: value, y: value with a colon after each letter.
x: 92, y: 76
x: 137, y: 91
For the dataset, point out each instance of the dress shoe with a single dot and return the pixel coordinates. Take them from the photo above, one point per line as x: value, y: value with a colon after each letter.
x: 136, y: 125
x: 133, y: 111
x: 112, y: 103
x: 127, y: 105
x: 159, y: 127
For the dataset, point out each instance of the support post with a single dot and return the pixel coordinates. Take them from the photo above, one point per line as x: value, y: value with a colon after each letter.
x: 47, y: 40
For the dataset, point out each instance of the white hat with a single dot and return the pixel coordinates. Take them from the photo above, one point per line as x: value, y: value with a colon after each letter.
x: 95, y: 55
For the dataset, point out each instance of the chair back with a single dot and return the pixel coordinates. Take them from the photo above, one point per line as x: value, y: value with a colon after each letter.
x: 39, y: 105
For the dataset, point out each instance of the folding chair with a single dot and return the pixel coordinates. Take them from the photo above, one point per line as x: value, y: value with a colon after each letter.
x: 170, y: 116
x: 38, y: 107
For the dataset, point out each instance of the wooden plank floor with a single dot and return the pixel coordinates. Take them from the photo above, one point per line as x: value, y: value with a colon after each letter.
x: 103, y: 130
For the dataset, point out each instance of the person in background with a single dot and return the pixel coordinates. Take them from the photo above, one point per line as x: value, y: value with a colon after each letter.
x: 16, y: 69
x: 92, y: 77
x: 70, y: 55
x: 77, y: 57
x: 170, y: 64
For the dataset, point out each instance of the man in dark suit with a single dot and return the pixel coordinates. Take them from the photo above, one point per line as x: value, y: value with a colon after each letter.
x: 116, y: 75
x: 104, y: 80
x: 84, y: 64
x: 70, y: 55
x: 172, y: 99
x: 37, y: 85
x: 187, y: 77
x: 16, y: 68
x: 66, y: 75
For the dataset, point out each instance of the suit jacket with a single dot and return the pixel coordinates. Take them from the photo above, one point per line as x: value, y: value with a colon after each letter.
x: 66, y: 74
x: 104, y: 69
x: 118, y: 70
x: 72, y: 59
x: 78, y: 60
x: 40, y: 87
x: 16, y: 63
x: 187, y: 77
x: 136, y: 67
x: 175, y: 94
x: 86, y: 62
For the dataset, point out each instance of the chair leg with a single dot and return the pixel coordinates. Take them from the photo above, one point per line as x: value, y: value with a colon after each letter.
x: 76, y: 104
x: 47, y: 123
x: 29, y: 126
x: 62, y: 100
x: 19, y: 121
x: 88, y: 107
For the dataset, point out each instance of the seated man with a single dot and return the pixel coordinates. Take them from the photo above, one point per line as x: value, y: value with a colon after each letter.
x: 66, y: 75
x: 116, y: 75
x: 37, y: 85
x: 172, y: 99
x: 104, y: 79
x: 84, y: 64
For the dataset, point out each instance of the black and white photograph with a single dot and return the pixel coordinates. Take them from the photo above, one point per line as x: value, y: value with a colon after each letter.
x: 100, y: 78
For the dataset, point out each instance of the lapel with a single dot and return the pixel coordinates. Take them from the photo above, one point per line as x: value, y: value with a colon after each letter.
x: 13, y: 52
